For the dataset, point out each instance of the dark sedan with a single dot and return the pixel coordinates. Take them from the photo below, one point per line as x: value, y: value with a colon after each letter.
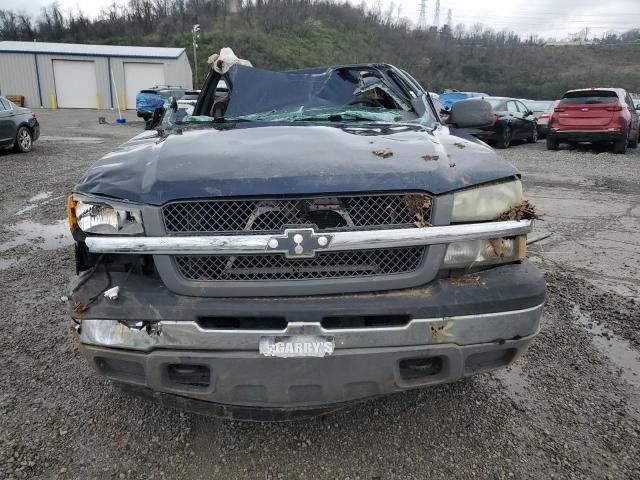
x: 18, y: 126
x: 513, y: 121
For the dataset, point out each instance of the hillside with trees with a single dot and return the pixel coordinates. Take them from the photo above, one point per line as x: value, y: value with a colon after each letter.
x: 287, y: 34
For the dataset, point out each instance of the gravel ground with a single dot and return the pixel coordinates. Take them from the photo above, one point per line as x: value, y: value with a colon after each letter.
x: 570, y: 408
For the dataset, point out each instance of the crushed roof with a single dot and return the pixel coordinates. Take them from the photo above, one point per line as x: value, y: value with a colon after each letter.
x: 88, y: 49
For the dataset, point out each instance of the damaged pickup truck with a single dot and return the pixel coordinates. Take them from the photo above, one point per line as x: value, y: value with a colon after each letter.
x: 304, y: 240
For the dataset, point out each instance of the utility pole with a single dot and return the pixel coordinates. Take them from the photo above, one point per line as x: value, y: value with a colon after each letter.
x: 195, y: 31
x: 450, y: 19
x: 436, y: 16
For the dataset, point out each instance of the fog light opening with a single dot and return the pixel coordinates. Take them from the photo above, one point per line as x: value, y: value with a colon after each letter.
x: 416, y: 368
x: 189, y: 375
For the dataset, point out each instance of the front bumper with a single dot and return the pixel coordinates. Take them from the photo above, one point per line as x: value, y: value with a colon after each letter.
x: 466, y: 325
x: 35, y: 129
x: 257, y: 385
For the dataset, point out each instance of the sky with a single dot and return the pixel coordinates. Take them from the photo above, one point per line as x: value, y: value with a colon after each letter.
x: 546, y: 18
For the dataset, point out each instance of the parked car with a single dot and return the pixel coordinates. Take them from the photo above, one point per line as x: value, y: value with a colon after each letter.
x: 184, y: 106
x: 513, y: 121
x: 596, y: 115
x: 310, y: 239
x: 152, y: 100
x: 19, y: 127
x: 190, y: 97
x: 449, y: 98
x: 542, y: 109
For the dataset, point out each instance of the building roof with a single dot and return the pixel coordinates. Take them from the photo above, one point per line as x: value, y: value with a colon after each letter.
x: 91, y: 50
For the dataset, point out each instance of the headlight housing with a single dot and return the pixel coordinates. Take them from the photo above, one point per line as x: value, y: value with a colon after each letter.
x: 478, y: 253
x: 101, y: 218
x: 486, y: 203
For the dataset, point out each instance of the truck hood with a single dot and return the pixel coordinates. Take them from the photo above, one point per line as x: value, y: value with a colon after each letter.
x: 236, y: 160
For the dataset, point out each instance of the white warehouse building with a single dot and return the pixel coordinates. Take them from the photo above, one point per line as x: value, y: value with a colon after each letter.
x: 69, y: 75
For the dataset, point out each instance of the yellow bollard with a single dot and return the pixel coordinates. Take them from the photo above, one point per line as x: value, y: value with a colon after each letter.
x: 97, y: 101
x: 53, y: 101
x: 124, y: 102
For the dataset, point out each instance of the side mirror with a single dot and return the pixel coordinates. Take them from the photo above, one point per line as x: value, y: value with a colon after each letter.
x: 472, y: 113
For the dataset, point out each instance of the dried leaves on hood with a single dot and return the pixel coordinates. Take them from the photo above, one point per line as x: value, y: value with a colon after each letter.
x: 418, y: 205
x: 523, y: 210
x: 80, y: 307
x: 383, y: 152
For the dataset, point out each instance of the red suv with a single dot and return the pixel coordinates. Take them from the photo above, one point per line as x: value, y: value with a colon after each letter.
x: 595, y: 115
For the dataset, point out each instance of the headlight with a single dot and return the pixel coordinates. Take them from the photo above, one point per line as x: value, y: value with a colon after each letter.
x: 485, y: 252
x: 485, y: 203
x: 101, y: 218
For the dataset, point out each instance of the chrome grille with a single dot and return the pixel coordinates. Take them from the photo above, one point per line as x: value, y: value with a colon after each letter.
x: 326, y: 265
x: 347, y: 212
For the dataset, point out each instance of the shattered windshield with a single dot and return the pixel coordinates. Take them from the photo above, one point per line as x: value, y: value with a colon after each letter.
x: 347, y: 94
x: 355, y: 112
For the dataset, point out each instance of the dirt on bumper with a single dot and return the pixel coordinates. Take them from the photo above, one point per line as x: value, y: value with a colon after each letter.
x: 452, y: 328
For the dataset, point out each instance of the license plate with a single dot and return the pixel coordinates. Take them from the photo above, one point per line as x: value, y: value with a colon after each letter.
x: 297, y: 346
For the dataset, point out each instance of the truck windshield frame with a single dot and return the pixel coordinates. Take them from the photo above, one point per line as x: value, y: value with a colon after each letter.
x: 347, y: 94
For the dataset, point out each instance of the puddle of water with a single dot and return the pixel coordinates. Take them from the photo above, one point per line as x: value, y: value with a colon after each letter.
x: 39, y: 197
x: 55, y: 138
x: 617, y: 349
x: 514, y: 379
x: 26, y: 209
x: 7, y: 262
x: 37, y: 200
x: 47, y: 237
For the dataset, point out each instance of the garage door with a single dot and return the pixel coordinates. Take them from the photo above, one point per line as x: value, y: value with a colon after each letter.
x: 75, y: 83
x: 138, y: 76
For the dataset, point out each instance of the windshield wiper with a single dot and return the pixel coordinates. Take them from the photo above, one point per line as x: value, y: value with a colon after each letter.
x: 338, y: 117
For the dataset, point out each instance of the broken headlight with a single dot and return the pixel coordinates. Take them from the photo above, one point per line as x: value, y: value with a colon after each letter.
x: 483, y: 204
x: 476, y: 253
x: 102, y: 218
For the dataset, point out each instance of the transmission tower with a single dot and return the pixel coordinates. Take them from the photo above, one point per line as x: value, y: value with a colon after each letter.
x: 450, y: 18
x: 422, y: 18
x: 436, y: 15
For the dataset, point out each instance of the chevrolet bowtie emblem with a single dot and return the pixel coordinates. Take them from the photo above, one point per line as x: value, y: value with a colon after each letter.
x: 299, y: 243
